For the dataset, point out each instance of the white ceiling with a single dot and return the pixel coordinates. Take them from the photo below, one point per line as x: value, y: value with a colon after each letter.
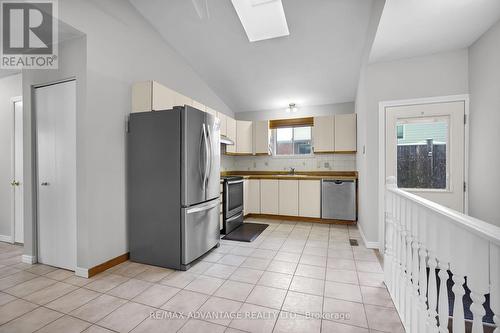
x: 412, y: 28
x: 318, y: 63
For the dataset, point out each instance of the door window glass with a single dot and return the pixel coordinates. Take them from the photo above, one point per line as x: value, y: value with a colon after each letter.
x: 423, y: 153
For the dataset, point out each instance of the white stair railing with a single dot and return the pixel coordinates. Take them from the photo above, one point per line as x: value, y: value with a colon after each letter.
x: 423, y: 237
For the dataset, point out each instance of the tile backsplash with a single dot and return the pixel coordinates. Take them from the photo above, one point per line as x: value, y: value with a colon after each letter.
x: 323, y: 162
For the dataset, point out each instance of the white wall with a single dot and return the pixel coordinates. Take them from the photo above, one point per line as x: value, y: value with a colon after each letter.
x: 10, y: 86
x: 302, y: 111
x: 484, y: 85
x: 122, y: 48
x: 435, y: 75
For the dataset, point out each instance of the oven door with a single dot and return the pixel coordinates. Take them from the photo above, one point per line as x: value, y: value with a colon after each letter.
x: 233, y: 192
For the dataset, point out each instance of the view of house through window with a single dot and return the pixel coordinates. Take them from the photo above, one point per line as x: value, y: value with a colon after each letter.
x: 292, y: 140
x: 422, y: 153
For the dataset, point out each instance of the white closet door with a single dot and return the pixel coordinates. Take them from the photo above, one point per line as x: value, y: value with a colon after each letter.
x: 56, y: 140
x: 18, y: 173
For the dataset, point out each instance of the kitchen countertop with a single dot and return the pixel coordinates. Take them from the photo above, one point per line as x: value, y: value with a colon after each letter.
x: 305, y: 175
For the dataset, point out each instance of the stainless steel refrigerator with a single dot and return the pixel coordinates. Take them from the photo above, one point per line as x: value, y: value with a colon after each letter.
x: 173, y: 176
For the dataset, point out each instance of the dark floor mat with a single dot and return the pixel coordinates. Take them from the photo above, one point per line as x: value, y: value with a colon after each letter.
x: 247, y: 232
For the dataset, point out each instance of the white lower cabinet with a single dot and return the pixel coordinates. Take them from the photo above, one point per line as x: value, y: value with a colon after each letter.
x: 289, y: 197
x: 245, y: 196
x: 253, y: 196
x: 269, y: 193
x: 310, y: 198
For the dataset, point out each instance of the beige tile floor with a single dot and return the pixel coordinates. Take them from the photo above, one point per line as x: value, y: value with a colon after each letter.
x: 295, y: 277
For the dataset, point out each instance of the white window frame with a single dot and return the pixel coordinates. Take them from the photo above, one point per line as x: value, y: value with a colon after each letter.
x: 274, y: 137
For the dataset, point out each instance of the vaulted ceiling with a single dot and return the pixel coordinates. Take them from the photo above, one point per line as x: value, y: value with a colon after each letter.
x: 318, y: 63
x: 413, y: 28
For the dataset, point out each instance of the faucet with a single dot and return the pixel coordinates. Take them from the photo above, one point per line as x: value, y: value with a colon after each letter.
x: 292, y: 171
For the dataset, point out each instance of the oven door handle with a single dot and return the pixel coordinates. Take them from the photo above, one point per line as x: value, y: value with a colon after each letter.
x: 232, y: 182
x: 234, y: 217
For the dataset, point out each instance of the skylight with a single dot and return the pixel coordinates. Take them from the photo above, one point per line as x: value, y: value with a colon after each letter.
x: 262, y: 19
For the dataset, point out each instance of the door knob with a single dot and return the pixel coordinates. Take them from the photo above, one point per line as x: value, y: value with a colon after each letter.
x: 45, y: 184
x: 15, y: 183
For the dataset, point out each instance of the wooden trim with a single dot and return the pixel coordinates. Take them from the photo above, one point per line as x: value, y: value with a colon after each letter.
x: 262, y: 154
x: 293, y: 122
x: 351, y: 174
x: 108, y: 264
x: 345, y: 152
x: 301, y: 219
x: 238, y: 154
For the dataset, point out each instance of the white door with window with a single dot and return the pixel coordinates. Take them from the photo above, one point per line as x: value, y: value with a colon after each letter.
x: 425, y: 150
x: 17, y: 177
x: 55, y: 107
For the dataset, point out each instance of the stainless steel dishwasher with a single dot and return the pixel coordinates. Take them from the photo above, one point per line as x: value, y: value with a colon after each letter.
x: 338, y: 199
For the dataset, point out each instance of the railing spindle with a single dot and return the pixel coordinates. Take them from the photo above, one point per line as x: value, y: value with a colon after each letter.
x: 458, y: 307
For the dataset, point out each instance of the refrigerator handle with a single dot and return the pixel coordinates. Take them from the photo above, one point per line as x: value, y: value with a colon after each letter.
x: 202, y: 148
x: 211, y: 152
x: 204, y: 207
x: 207, y: 148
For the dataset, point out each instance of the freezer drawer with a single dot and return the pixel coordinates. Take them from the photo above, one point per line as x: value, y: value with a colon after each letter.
x: 338, y: 199
x: 200, y: 230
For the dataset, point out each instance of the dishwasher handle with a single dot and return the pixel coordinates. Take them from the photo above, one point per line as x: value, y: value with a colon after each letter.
x: 337, y: 181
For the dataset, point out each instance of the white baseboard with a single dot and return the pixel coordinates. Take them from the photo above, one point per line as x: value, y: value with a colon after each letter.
x: 5, y: 238
x: 369, y: 245
x: 82, y: 272
x: 28, y: 259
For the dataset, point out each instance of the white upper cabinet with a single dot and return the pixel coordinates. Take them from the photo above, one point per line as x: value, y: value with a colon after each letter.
x: 269, y: 193
x: 141, y: 96
x: 289, y: 197
x: 223, y: 123
x: 323, y: 134
x: 181, y: 100
x: 151, y: 96
x: 261, y: 137
x: 310, y: 198
x: 163, y: 97
x: 345, y: 132
x: 231, y: 134
x: 244, y: 137
x: 211, y: 111
x: 199, y: 106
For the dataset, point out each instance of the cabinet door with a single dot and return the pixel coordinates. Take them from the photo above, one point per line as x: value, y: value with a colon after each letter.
x: 231, y: 133
x: 244, y: 135
x: 289, y: 197
x: 141, y: 96
x: 254, y: 196
x: 163, y: 97
x: 345, y: 132
x: 261, y: 137
x: 323, y: 134
x: 181, y: 100
x: 269, y: 193
x: 223, y: 123
x: 199, y: 106
x: 245, y: 196
x: 211, y: 111
x: 310, y: 198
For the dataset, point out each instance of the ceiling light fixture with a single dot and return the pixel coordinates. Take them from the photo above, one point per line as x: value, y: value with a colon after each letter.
x: 262, y: 19
x: 291, y: 108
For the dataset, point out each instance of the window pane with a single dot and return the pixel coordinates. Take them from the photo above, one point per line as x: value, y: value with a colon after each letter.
x: 421, y: 154
x: 302, y: 133
x: 284, y: 134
